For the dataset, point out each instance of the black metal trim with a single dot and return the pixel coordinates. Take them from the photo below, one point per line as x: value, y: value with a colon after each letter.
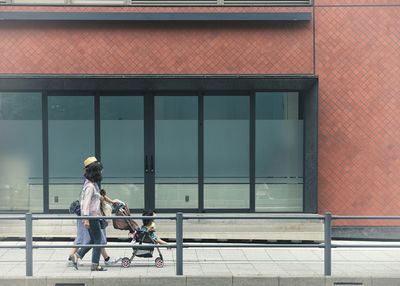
x: 45, y: 142
x: 142, y: 83
x: 200, y: 154
x: 149, y: 149
x: 252, y: 151
x: 302, y: 111
x: 135, y: 16
x: 310, y: 149
x: 97, y: 131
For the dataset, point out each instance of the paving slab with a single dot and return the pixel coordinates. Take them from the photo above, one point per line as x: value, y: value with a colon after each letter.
x: 306, y: 254
x: 242, y: 269
x: 281, y: 254
x: 256, y: 254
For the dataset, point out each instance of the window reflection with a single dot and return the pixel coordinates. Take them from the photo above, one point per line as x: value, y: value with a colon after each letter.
x: 71, y: 140
x: 21, y: 167
x: 176, y: 148
x: 122, y: 148
x: 279, y: 152
x: 226, y: 151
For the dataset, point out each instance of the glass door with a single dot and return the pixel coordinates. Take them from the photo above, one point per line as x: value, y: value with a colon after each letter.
x: 175, y: 159
x: 226, y: 152
x: 71, y: 138
x: 279, y: 152
x: 122, y: 147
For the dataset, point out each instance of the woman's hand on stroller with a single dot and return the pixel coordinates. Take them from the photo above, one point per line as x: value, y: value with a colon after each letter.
x: 133, y: 234
x: 117, y: 201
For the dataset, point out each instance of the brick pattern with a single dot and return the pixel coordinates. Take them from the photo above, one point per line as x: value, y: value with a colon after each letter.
x: 358, y: 63
x: 356, y: 2
x: 156, y: 48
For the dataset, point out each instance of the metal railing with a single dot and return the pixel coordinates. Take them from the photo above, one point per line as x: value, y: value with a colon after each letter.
x: 161, y: 2
x: 179, y: 244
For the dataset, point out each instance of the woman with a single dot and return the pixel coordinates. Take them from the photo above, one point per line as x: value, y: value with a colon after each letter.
x: 90, y: 206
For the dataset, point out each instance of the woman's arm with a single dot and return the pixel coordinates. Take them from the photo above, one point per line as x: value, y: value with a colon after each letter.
x: 85, y: 203
x: 108, y: 200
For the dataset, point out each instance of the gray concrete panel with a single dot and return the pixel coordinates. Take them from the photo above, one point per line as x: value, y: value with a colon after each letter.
x: 386, y: 281
x: 120, y: 281
x: 18, y: 281
x: 209, y: 280
x: 302, y: 281
x: 255, y: 281
x: 163, y: 281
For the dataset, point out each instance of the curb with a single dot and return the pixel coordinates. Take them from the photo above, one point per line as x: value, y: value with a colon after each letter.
x: 98, y: 280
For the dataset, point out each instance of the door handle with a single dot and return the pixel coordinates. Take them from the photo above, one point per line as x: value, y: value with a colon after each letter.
x: 146, y: 166
x: 151, y: 164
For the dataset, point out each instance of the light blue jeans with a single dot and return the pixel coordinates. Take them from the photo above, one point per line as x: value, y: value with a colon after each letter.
x: 95, y: 238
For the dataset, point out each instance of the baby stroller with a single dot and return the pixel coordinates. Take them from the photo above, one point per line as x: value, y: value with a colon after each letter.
x: 140, y: 237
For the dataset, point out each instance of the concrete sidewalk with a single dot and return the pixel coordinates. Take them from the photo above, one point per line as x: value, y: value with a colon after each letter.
x: 215, y: 262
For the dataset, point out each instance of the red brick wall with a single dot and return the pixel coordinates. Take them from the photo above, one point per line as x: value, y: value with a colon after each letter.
x: 357, y: 56
x: 156, y: 48
x: 358, y: 64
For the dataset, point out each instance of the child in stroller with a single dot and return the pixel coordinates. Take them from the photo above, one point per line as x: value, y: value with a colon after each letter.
x: 150, y: 226
x: 142, y: 236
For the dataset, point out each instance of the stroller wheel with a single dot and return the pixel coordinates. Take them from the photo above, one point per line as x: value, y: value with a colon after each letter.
x: 159, y: 262
x: 125, y: 262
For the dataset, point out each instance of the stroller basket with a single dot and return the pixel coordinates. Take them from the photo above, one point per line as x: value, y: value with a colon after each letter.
x: 122, y: 209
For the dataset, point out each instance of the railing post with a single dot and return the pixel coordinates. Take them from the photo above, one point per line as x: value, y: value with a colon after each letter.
x: 28, y: 244
x: 328, y: 244
x: 179, y: 243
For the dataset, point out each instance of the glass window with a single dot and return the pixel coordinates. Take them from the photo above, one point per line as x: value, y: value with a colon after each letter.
x: 71, y: 140
x: 21, y: 166
x: 279, y: 152
x: 176, y: 147
x: 226, y: 151
x: 122, y: 148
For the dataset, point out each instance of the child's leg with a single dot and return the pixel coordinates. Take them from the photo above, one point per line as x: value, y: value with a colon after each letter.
x: 104, y: 253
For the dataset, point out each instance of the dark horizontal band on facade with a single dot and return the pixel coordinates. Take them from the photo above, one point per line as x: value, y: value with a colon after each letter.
x: 134, y: 16
x: 157, y: 82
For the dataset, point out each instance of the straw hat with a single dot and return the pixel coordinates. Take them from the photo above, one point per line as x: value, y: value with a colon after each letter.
x: 89, y: 161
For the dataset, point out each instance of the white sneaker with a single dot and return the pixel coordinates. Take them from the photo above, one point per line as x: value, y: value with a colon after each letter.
x: 112, y: 261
